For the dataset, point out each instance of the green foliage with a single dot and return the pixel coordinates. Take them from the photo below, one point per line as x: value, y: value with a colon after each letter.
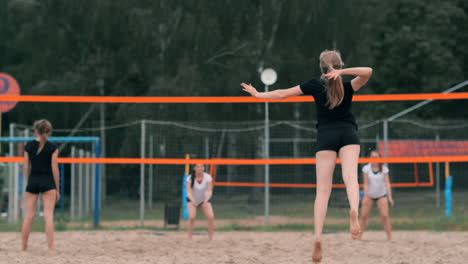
x: 177, y: 48
x: 416, y: 47
x: 206, y: 48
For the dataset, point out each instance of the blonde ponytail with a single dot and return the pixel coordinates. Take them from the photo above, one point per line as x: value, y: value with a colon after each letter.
x: 335, y: 91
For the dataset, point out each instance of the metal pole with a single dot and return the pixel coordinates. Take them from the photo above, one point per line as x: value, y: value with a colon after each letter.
x: 25, y: 183
x: 207, y: 147
x: 437, y: 179
x: 267, y: 167
x: 150, y: 178
x: 142, y: 173
x: 62, y: 189
x: 72, y: 186
x: 80, y: 186
x: 93, y: 179
x: 97, y: 187
x: 425, y: 102
x: 100, y: 83
x: 385, y: 137
x: 16, y: 192
x: 87, y: 185
x: 90, y: 188
x: 10, y: 178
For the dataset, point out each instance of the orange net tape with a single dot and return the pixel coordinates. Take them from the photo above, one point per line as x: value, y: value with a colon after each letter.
x: 220, y: 99
x: 244, y: 161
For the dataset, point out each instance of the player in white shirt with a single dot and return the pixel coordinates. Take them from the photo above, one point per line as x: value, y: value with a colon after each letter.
x: 199, y: 192
x: 377, y: 189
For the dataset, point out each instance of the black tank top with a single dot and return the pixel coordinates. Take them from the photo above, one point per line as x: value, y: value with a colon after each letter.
x: 338, y: 116
x: 41, y: 163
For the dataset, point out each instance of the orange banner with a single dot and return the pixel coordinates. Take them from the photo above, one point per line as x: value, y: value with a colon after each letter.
x: 309, y: 185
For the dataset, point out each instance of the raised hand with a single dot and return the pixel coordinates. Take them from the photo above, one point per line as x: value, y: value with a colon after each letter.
x: 334, y: 74
x: 249, y: 89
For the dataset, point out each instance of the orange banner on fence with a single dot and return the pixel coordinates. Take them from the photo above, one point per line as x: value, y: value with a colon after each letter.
x: 221, y: 99
x: 220, y: 161
x: 244, y: 161
x: 313, y: 185
x: 336, y: 185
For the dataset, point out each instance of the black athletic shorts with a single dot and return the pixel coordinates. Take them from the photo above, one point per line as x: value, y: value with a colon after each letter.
x: 198, y: 205
x: 334, y: 137
x: 40, y: 185
x: 378, y: 198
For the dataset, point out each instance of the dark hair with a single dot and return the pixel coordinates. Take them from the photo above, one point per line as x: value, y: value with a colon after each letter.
x: 194, y: 173
x: 380, y: 164
x: 192, y: 177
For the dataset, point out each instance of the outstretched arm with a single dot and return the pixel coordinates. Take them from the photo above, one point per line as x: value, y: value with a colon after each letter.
x: 389, y: 189
x: 362, y: 74
x: 26, y: 166
x: 366, y: 183
x: 276, y: 94
x: 209, y: 192
x: 56, y: 173
x: 189, y: 192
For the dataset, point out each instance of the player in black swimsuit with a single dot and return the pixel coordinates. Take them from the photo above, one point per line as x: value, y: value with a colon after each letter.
x: 42, y: 176
x: 336, y: 136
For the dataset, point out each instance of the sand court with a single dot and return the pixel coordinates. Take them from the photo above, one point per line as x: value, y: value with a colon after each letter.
x: 147, y: 246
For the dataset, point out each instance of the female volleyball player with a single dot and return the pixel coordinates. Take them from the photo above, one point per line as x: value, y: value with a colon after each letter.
x: 336, y: 136
x: 199, y: 192
x: 377, y: 189
x: 42, y: 176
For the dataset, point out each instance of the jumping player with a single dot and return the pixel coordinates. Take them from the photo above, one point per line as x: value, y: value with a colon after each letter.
x: 336, y: 136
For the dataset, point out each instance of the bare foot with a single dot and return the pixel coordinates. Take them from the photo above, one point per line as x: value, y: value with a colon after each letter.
x: 317, y: 255
x: 355, y: 228
x: 360, y: 236
x: 52, y: 252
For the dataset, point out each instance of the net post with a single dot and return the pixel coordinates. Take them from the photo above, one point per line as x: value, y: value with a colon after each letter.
x: 72, y: 185
x: 437, y: 182
x: 142, y: 173
x: 80, y: 185
x: 86, y: 176
x: 150, y: 176
x: 187, y: 165
x: 267, y: 167
x: 385, y: 137
x: 97, y: 183
x: 16, y: 196
x: 62, y: 187
x: 448, y: 190
x: 10, y: 178
x: 184, y: 189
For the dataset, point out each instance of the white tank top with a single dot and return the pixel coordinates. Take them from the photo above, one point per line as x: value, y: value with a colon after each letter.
x: 376, y: 181
x: 199, y: 190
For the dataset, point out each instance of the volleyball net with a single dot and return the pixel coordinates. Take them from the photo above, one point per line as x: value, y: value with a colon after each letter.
x: 145, y: 161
